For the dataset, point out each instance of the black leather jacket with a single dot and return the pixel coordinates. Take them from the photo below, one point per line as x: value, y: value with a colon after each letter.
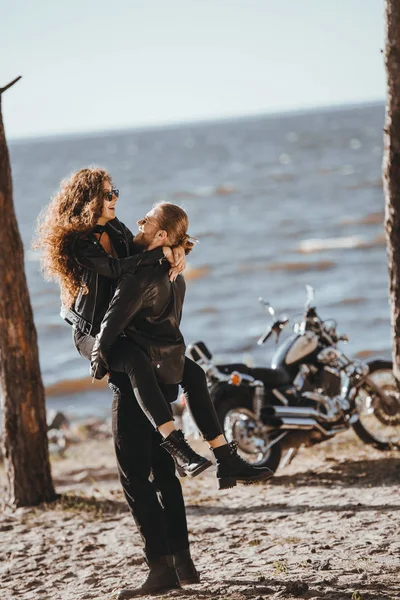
x: 147, y: 308
x: 101, y: 272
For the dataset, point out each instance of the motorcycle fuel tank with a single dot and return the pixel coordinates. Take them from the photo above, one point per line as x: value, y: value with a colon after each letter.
x: 295, y: 349
x: 304, y: 345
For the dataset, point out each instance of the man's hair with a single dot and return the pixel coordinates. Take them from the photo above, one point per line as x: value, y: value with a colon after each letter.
x: 175, y: 222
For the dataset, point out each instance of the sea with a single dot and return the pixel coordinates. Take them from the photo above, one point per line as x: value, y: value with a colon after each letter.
x: 277, y: 202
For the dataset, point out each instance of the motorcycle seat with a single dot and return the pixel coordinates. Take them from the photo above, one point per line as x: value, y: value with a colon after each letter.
x: 270, y: 377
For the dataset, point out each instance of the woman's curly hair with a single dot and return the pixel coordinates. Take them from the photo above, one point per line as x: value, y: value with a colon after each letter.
x: 71, y: 214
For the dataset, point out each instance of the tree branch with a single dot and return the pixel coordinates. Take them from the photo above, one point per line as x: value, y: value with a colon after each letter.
x: 6, y: 87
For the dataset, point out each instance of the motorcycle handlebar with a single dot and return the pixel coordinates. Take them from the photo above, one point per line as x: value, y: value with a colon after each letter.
x: 275, y: 328
x: 265, y: 336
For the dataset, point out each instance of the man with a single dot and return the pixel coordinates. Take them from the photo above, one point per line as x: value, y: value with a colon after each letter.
x: 146, y: 309
x: 86, y: 249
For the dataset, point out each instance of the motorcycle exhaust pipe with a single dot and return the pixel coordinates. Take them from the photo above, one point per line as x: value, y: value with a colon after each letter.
x: 293, y: 418
x: 292, y: 412
x: 297, y: 423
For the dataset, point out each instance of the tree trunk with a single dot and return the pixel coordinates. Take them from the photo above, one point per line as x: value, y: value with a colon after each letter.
x: 391, y: 170
x: 24, y: 427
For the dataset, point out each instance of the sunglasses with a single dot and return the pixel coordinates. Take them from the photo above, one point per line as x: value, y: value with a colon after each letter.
x: 109, y: 195
x: 147, y: 220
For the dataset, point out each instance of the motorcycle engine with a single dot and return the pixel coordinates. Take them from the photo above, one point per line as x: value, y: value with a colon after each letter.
x: 327, y: 381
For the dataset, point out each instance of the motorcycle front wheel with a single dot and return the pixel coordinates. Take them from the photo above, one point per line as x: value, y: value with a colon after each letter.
x: 379, y: 416
x: 241, y: 424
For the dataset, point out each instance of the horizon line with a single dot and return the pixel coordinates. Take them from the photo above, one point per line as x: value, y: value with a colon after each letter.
x: 44, y: 137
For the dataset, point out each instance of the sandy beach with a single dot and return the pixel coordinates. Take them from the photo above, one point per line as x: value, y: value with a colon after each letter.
x: 327, y: 526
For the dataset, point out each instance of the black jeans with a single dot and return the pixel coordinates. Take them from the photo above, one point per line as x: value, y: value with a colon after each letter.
x: 154, y: 399
x: 157, y: 506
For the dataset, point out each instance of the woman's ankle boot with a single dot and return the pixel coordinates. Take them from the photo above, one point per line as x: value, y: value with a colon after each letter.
x: 186, y: 459
x: 161, y: 578
x: 231, y: 468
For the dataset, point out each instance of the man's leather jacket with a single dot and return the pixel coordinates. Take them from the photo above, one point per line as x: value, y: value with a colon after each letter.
x: 101, y: 271
x: 147, y: 308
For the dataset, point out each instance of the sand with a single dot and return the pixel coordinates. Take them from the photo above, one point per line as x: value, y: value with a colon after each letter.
x: 326, y: 526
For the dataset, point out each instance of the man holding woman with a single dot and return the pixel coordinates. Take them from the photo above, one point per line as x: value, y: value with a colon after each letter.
x: 87, y: 250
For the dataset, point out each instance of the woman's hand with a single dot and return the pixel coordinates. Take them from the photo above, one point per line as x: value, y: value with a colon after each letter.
x: 177, y: 259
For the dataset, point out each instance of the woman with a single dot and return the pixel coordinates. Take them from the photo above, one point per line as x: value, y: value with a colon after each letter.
x: 85, y: 248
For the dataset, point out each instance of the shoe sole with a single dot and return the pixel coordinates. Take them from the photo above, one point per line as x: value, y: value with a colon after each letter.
x: 256, y: 478
x: 225, y: 483
x: 200, y: 469
x: 122, y: 596
x: 189, y: 581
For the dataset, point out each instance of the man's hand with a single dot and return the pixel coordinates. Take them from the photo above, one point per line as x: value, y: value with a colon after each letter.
x: 177, y: 259
x: 169, y: 255
x: 98, y: 362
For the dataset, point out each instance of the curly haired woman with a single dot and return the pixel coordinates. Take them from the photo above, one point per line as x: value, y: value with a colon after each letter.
x: 86, y: 249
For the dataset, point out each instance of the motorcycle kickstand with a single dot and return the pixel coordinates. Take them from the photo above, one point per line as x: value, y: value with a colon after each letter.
x: 289, y: 456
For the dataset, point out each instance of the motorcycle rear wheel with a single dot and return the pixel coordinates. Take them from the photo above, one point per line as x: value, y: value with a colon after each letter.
x: 241, y: 424
x: 379, y: 424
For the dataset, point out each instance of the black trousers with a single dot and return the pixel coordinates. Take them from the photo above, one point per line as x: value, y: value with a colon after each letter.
x: 154, y: 399
x: 157, y: 506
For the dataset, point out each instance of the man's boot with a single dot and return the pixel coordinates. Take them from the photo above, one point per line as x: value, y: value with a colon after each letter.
x: 184, y: 565
x: 231, y: 468
x: 186, y: 459
x: 162, y: 577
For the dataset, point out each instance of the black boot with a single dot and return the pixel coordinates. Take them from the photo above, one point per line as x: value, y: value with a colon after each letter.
x: 232, y: 469
x: 185, y: 457
x: 162, y: 577
x: 184, y: 565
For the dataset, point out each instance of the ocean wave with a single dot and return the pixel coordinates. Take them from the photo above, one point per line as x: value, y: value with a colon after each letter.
x: 362, y: 354
x: 207, y: 310
x: 343, y: 243
x: 320, y: 265
x: 68, y: 387
x: 206, y: 191
x: 32, y: 256
x: 375, y: 218
x: 193, y: 273
x: 380, y: 240
x: 282, y: 177
x: 225, y: 190
x: 351, y: 301
x: 376, y: 183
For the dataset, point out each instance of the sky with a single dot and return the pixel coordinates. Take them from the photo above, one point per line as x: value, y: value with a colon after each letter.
x: 94, y: 65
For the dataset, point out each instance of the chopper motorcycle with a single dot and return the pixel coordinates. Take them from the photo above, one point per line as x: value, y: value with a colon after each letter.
x: 311, y: 392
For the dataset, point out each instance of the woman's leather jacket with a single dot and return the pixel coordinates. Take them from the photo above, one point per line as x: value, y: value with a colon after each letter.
x: 101, y: 271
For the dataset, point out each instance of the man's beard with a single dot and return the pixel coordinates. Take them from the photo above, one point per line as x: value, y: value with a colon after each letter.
x: 140, y: 240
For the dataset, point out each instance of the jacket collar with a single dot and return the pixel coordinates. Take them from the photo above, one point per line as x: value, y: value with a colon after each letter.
x: 115, y: 227
x: 112, y: 227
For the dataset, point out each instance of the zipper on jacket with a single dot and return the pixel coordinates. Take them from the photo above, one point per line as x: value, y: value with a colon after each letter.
x: 95, y: 299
